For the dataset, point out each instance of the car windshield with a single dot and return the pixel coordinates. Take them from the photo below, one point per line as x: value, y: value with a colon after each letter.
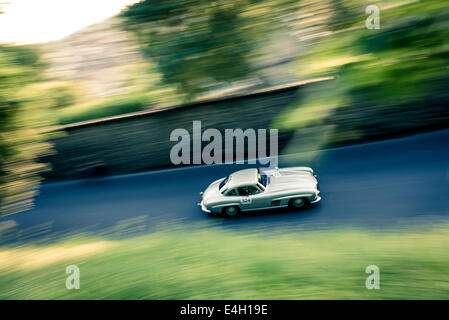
x: 263, y: 179
x: 222, y: 184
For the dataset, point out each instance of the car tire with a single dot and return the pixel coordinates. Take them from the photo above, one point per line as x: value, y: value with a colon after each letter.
x: 298, y: 202
x: 231, y: 211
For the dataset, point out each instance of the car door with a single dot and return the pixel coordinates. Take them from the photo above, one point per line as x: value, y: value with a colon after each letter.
x: 250, y: 198
x: 232, y: 196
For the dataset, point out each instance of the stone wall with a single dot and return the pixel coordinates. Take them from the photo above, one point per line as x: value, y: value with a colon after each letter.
x: 137, y: 142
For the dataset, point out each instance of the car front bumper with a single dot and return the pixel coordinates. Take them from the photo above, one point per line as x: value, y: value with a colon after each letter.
x: 203, y: 207
x: 318, y: 198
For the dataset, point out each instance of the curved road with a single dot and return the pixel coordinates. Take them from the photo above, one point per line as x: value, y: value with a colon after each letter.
x: 394, y: 183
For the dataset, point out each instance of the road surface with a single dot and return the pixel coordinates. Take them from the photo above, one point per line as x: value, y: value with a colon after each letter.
x: 394, y: 183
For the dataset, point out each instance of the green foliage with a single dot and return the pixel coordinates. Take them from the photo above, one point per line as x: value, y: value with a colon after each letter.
x: 216, y: 264
x: 103, y: 108
x: 192, y: 41
x: 53, y: 95
x: 20, y: 140
x: 195, y: 43
x: 400, y: 68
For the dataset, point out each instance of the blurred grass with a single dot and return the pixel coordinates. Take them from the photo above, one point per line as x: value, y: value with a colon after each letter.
x: 103, y: 108
x: 215, y: 264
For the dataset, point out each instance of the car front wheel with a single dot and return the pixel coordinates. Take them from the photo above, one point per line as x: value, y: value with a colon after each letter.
x: 298, y: 202
x: 231, y: 211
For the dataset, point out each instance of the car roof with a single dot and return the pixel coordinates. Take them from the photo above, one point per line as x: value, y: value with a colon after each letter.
x: 242, y: 178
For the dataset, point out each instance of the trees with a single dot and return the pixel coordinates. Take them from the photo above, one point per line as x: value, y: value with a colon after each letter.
x: 389, y: 81
x: 21, y: 141
x: 196, y: 43
x: 192, y: 41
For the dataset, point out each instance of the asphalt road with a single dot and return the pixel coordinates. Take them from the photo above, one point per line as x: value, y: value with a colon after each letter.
x: 393, y: 184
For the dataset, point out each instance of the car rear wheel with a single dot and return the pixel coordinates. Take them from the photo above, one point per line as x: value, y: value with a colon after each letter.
x: 298, y: 202
x: 231, y: 211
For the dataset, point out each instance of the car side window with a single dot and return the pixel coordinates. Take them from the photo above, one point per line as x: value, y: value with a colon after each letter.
x: 248, y: 190
x: 231, y: 193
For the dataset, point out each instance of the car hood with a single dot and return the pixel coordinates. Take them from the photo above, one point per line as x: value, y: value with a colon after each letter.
x: 212, y: 193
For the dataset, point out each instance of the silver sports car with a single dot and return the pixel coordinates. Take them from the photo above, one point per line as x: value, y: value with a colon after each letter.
x: 253, y: 189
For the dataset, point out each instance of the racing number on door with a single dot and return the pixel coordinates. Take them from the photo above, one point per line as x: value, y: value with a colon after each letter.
x: 245, y: 200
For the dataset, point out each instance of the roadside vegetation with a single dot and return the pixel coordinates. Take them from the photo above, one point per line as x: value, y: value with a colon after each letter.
x: 388, y: 82
x: 21, y: 118
x: 217, y: 264
x: 103, y: 108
